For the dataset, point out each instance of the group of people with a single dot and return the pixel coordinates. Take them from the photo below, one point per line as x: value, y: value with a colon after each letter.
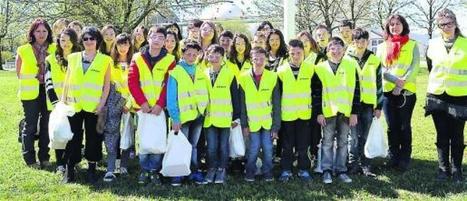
x: 316, y: 94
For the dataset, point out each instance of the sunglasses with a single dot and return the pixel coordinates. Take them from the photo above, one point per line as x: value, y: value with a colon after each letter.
x: 89, y: 38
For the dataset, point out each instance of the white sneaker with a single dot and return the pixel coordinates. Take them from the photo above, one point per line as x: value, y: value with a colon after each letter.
x: 109, y: 177
x: 344, y: 178
x: 61, y: 169
x: 327, y: 178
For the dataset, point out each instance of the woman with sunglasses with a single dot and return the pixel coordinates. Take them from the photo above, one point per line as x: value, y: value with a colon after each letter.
x: 447, y: 95
x: 89, y: 89
x: 400, y: 60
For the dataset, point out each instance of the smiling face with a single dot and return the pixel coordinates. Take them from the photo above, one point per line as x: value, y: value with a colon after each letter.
x: 297, y: 55
x: 40, y: 34
x: 89, y: 42
x: 360, y: 45
x: 190, y: 56
x: 225, y: 42
x: 274, y: 42
x: 395, y: 27
x: 335, y: 51
x: 447, y: 27
x: 65, y: 43
x: 170, y: 43
x: 123, y: 48
x: 207, y: 32
x: 109, y: 36
x: 346, y: 33
x: 215, y: 58
x: 240, y: 46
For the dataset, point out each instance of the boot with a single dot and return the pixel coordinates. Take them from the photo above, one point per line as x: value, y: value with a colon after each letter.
x: 443, y: 157
x: 456, y: 158
x: 91, y: 175
x: 69, y: 175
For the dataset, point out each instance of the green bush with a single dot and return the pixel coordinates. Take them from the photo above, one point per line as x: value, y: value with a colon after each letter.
x: 7, y: 56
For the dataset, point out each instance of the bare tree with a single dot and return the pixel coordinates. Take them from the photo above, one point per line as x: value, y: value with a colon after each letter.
x: 382, y: 9
x: 425, y: 13
x: 357, y: 11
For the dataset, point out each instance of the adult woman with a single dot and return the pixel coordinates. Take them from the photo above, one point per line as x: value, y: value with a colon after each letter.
x: 30, y: 70
x: 239, y: 55
x: 276, y: 48
x: 108, y: 32
x: 139, y: 38
x: 172, y: 44
x: 400, y: 60
x: 89, y: 89
x: 447, y: 97
x: 56, y: 65
x: 311, y: 48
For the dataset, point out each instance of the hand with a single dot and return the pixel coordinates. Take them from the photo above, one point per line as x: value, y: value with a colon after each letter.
x: 246, y: 132
x: 176, y: 127
x: 145, y: 108
x: 377, y: 113
x: 400, y: 83
x: 353, y: 120
x: 321, y: 120
x: 156, y: 110
x: 274, y: 135
x: 125, y: 109
x: 233, y: 124
x: 99, y: 109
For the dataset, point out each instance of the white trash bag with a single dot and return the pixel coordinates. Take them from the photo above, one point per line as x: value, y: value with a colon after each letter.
x: 376, y: 144
x: 236, y: 142
x: 59, y: 126
x: 128, y: 131
x: 177, y: 159
x: 152, y: 131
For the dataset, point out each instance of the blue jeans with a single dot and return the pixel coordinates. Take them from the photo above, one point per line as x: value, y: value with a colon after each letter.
x: 359, y: 134
x: 192, y: 131
x: 339, y: 123
x: 218, y: 146
x: 150, y: 162
x: 260, y: 139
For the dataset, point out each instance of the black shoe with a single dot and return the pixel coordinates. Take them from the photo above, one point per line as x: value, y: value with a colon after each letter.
x: 91, y: 177
x: 403, y: 166
x: 457, y: 177
x: 69, y: 175
x: 442, y: 176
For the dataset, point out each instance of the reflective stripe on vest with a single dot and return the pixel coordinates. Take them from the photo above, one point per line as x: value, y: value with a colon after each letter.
x: 192, y: 95
x: 120, y: 78
x: 57, y: 73
x: 296, y: 93
x: 151, y: 81
x: 28, y: 83
x: 449, y: 72
x: 368, y: 80
x: 86, y: 88
x: 338, y: 88
x: 258, y: 100
x: 400, y: 66
x: 219, y: 110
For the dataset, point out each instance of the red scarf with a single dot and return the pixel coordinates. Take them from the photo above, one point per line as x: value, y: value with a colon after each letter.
x: 393, y: 47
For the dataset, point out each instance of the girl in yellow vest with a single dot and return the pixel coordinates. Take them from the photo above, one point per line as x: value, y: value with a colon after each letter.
x: 56, y: 64
x: 89, y: 89
x: 276, y: 49
x: 371, y: 89
x: 260, y: 113
x: 118, y: 103
x: 447, y: 94
x: 30, y: 70
x: 108, y: 32
x: 400, y: 59
x: 222, y: 113
x: 187, y: 98
x: 139, y: 37
x: 172, y: 44
x: 225, y: 40
x: 239, y: 55
x: 207, y: 37
x: 336, y: 98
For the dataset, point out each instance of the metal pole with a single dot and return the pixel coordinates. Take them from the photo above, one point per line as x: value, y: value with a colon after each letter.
x: 290, y: 10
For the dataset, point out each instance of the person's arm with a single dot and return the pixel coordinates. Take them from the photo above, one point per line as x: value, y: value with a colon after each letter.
x: 134, y: 84
x: 379, y: 88
x: 172, y: 100
x: 18, y: 63
x: 413, y: 69
x: 234, y: 94
x: 356, y: 96
x: 243, y: 110
x: 276, y: 109
x: 49, y: 86
x: 162, y: 97
x: 105, y: 90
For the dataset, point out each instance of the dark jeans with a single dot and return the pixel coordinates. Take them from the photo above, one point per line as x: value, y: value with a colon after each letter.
x: 93, y: 143
x: 192, y: 131
x: 398, y: 112
x: 296, y: 137
x: 218, y: 146
x: 315, y: 135
x: 358, y: 136
x: 449, y: 138
x: 35, y: 111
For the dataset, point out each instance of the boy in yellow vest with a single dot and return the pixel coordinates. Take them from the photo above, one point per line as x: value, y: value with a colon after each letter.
x: 371, y: 93
x: 295, y: 86
x: 336, y: 97
x: 260, y: 113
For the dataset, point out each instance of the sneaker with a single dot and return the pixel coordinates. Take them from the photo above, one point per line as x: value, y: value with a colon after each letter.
x: 143, y: 177
x: 155, y: 178
x: 210, y: 175
x: 198, y: 178
x: 285, y: 176
x: 123, y: 171
x: 367, y: 172
x: 61, y: 169
x: 249, y: 178
x: 304, y: 175
x: 327, y: 179
x: 457, y: 177
x: 176, y: 181
x: 68, y: 176
x: 109, y: 177
x: 220, y: 176
x: 344, y: 178
x: 268, y: 177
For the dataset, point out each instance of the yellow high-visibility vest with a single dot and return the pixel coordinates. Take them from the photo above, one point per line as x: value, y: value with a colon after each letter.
x: 86, y: 87
x: 219, y: 110
x: 449, y: 72
x: 57, y: 73
x: 311, y: 58
x: 28, y: 83
x: 151, y: 82
x: 234, y: 68
x: 338, y: 88
x: 258, y: 100
x: 192, y: 94
x: 368, y: 78
x: 399, y: 67
x: 296, y: 93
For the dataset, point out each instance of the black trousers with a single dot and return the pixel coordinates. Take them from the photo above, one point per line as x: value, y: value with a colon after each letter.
x: 93, y: 143
x: 315, y: 135
x: 449, y: 138
x: 35, y: 113
x: 296, y: 135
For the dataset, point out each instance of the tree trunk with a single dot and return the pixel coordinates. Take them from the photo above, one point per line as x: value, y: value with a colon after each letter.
x: 1, y: 50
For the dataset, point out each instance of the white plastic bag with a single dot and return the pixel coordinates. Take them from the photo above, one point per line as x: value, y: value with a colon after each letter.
x: 236, y: 142
x: 128, y: 130
x: 376, y: 144
x: 176, y: 162
x: 59, y: 126
x: 152, y: 131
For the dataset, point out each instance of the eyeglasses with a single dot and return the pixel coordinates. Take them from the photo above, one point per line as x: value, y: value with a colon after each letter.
x: 447, y: 24
x: 89, y: 38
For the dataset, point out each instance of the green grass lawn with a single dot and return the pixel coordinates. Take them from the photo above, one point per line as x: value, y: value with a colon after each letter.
x: 17, y: 182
